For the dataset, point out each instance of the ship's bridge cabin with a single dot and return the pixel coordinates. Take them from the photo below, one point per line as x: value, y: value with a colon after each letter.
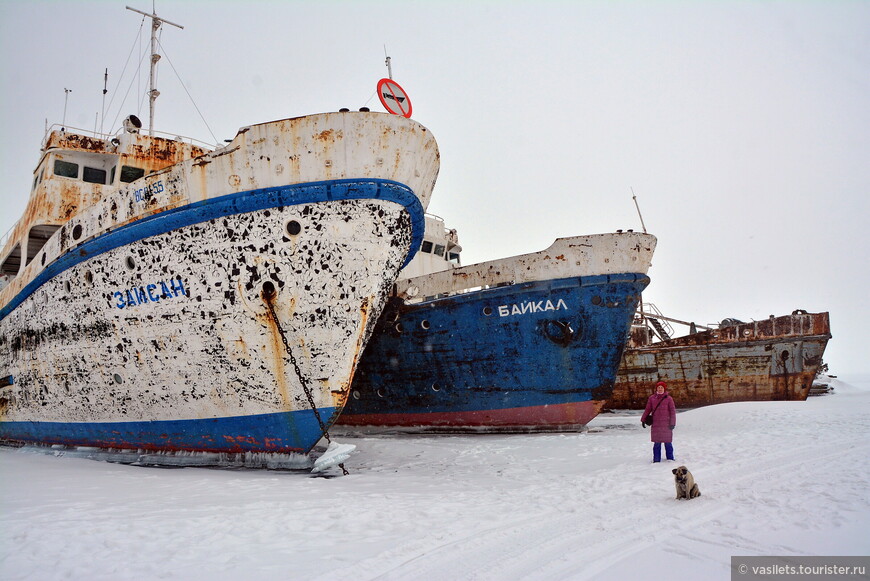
x: 74, y: 171
x: 439, y: 250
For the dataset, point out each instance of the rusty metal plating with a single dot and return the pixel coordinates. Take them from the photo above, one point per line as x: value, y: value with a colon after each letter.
x: 771, y: 359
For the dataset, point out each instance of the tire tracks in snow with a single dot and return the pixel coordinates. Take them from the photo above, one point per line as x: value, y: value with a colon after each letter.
x: 740, y: 475
x: 570, y: 540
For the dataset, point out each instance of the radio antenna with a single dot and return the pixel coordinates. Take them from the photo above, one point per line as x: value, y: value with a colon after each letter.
x: 105, y: 90
x: 389, y: 66
x: 65, y: 99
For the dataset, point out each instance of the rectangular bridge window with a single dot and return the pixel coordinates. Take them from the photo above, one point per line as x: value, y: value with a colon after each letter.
x: 131, y: 174
x: 94, y: 176
x: 66, y: 169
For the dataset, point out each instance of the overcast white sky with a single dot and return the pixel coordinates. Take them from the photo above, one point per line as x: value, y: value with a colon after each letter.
x: 743, y: 127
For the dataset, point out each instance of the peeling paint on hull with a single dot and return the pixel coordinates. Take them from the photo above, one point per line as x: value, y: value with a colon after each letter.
x: 775, y: 359
x: 143, y: 322
x: 528, y: 343
x: 104, y: 352
x: 453, y: 367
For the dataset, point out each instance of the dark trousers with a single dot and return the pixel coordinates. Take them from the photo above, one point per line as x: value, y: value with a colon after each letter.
x: 657, y: 451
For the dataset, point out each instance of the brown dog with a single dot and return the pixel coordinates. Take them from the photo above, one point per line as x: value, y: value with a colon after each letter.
x: 685, y: 483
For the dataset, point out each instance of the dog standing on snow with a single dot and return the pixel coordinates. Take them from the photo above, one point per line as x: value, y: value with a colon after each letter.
x: 685, y: 483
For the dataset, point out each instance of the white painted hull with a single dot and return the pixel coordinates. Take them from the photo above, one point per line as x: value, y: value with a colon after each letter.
x: 576, y: 256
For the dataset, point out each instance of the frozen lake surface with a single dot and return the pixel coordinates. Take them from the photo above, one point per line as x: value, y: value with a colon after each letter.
x: 777, y: 478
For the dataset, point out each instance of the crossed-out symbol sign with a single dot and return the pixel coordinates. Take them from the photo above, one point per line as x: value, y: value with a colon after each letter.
x: 393, y: 98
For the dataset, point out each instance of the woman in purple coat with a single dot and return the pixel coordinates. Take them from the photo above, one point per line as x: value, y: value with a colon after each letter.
x: 661, y: 414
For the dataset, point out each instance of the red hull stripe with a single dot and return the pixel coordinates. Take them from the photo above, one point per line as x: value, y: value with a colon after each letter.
x: 535, y: 417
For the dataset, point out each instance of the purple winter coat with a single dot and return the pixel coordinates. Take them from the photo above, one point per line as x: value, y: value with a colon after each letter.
x: 663, y: 419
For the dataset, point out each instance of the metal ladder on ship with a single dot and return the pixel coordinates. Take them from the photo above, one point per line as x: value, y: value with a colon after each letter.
x: 657, y: 321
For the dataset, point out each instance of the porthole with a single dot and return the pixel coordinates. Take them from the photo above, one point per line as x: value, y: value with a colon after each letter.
x: 77, y: 232
x: 356, y: 395
x: 130, y: 263
x: 596, y: 300
x: 380, y: 393
x: 436, y: 387
x: 67, y: 287
x: 294, y: 228
x: 118, y: 379
x: 268, y: 289
x: 43, y: 259
x: 89, y: 277
x: 399, y: 328
x: 425, y: 324
x: 487, y: 311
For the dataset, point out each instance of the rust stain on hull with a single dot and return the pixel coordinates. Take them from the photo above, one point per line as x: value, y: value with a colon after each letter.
x: 276, y: 346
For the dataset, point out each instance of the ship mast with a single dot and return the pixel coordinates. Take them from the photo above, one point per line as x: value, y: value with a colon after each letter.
x: 153, y: 93
x: 633, y: 197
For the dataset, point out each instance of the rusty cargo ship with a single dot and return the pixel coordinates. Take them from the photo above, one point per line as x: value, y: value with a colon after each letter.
x: 528, y: 343
x: 159, y: 295
x: 771, y: 359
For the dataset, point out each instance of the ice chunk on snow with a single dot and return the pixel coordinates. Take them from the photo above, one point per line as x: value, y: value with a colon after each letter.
x: 335, y: 454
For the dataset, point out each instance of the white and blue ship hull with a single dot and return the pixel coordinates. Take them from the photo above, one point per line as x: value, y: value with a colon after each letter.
x: 207, y: 316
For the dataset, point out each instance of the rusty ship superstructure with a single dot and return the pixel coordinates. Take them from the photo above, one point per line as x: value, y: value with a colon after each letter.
x: 159, y: 295
x: 522, y: 344
x: 771, y: 359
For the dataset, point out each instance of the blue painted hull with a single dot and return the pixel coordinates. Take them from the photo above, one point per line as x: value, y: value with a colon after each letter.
x: 280, y: 432
x: 529, y: 357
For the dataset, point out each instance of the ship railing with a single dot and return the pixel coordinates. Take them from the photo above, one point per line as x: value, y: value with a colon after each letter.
x: 109, y: 136
x: 5, y: 238
x: 434, y: 217
x: 449, y: 233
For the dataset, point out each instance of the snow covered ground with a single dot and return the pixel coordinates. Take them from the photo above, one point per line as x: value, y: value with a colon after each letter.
x: 777, y: 478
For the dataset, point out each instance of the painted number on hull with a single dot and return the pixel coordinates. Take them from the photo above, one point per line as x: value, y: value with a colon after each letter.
x: 531, y: 307
x: 142, y: 194
x: 150, y: 293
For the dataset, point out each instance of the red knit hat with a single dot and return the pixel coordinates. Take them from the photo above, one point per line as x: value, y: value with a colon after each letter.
x: 663, y: 384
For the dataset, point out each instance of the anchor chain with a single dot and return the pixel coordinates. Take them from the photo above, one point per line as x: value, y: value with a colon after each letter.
x: 267, y: 298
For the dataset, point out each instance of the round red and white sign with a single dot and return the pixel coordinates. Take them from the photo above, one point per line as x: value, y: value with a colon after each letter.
x: 393, y: 98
